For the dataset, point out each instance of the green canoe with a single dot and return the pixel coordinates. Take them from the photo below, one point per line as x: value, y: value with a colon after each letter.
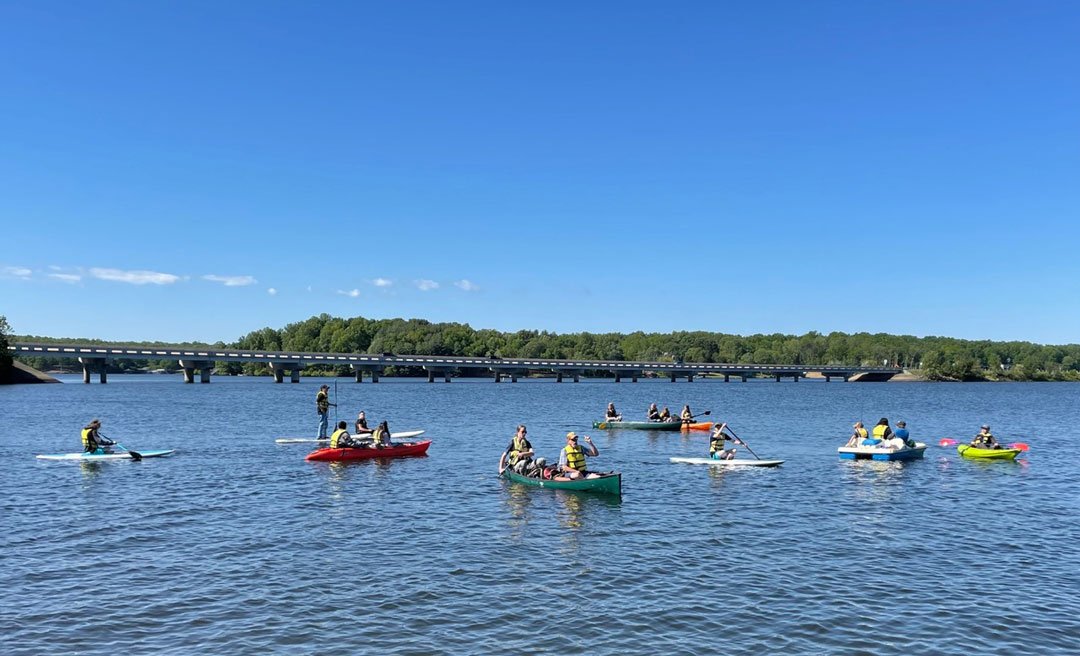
x: 640, y: 425
x: 606, y: 484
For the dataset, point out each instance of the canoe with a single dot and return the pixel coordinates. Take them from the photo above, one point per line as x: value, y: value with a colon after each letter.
x: 639, y: 425
x: 871, y: 453
x: 398, y: 450
x: 700, y: 426
x: 301, y: 440
x: 119, y: 455
x: 969, y: 451
x: 734, y: 462
x: 606, y: 484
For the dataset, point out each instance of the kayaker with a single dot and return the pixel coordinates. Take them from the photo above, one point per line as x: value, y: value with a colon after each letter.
x: 572, y: 458
x: 341, y: 438
x: 381, y: 436
x: 361, y: 424
x: 92, y: 441
x: 518, y: 453
x: 654, y: 414
x: 322, y: 404
x: 665, y: 415
x: 985, y: 439
x: 612, y: 414
x: 716, y: 444
x: 686, y: 416
x: 901, y: 433
x: 858, y: 436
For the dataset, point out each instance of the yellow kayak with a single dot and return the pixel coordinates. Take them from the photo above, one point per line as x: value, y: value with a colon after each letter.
x: 969, y: 451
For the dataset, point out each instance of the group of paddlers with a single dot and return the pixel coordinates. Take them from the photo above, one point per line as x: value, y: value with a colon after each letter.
x: 519, y: 456
x: 884, y: 437
x: 362, y: 437
x: 653, y: 414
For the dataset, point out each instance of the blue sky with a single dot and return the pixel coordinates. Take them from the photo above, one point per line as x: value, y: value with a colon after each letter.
x: 908, y: 167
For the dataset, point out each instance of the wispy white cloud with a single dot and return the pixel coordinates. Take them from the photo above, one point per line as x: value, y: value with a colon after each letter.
x: 271, y: 291
x: 136, y: 277
x: 426, y: 285
x: 382, y: 282
x: 71, y: 278
x: 232, y: 281
x: 15, y: 272
x: 466, y: 285
x: 352, y: 292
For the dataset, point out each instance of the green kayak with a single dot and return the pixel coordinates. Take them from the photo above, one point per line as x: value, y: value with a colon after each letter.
x: 639, y: 425
x: 969, y: 451
x: 605, y: 484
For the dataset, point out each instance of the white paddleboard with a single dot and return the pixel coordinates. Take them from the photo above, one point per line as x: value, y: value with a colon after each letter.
x: 397, y: 436
x: 737, y: 462
x: 120, y: 455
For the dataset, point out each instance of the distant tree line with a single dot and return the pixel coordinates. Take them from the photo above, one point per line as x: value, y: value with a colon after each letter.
x: 5, y: 352
x: 937, y: 358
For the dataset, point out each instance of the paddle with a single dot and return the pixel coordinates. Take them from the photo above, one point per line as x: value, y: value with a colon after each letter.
x: 948, y: 441
x: 135, y: 455
x: 743, y: 443
x: 707, y: 412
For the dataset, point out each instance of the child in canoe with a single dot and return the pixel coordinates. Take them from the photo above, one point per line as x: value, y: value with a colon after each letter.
x: 985, y: 439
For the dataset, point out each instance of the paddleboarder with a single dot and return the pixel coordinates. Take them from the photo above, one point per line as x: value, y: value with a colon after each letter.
x: 92, y: 441
x: 322, y: 405
x: 717, y: 450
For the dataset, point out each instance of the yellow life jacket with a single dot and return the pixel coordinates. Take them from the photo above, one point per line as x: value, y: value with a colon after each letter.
x: 380, y: 436
x: 520, y: 445
x: 983, y: 440
x: 862, y: 433
x: 879, y: 431
x: 575, y: 457
x: 322, y: 401
x: 337, y: 436
x: 88, y: 443
x: 716, y: 444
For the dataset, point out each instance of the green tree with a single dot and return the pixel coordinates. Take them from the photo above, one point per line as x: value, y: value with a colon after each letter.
x: 5, y: 354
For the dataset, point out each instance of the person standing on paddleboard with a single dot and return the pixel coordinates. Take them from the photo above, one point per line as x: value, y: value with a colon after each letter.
x: 92, y: 441
x: 322, y: 404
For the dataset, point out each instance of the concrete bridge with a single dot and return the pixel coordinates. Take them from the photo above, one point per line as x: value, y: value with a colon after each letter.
x: 95, y: 359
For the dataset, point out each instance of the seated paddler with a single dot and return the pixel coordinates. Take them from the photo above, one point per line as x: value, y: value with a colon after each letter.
x: 518, y: 453
x: 572, y: 458
x: 985, y: 439
x: 860, y: 433
x: 717, y: 444
x: 612, y: 414
x: 686, y: 416
x: 341, y: 439
x: 94, y: 442
x: 665, y: 415
x: 653, y: 414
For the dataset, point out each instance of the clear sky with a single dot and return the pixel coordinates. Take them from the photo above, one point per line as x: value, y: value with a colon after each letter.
x: 197, y: 170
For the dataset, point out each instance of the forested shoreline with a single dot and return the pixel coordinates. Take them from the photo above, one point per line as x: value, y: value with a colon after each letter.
x: 936, y: 358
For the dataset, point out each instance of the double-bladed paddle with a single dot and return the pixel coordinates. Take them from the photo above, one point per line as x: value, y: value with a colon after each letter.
x: 1021, y: 446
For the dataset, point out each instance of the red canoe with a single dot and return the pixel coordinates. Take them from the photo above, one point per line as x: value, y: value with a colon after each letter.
x: 396, y: 451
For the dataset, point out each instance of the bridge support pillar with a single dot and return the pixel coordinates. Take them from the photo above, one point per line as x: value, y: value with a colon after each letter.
x: 188, y: 368
x: 359, y: 370
x: 828, y: 378
x: 278, y: 369
x: 778, y: 378
x: 94, y: 365
x: 558, y: 376
x: 727, y: 378
x: 673, y: 378
x: 744, y: 378
x: 689, y: 378
x: 618, y: 378
x: 498, y: 377
x: 795, y: 378
x: 432, y: 373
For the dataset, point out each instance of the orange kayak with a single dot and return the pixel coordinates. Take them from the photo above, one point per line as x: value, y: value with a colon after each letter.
x: 702, y: 426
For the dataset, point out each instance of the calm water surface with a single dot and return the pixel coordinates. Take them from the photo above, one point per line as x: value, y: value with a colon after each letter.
x: 237, y: 545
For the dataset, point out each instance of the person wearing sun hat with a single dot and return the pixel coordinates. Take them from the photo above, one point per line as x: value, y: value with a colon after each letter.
x: 572, y: 457
x: 92, y: 441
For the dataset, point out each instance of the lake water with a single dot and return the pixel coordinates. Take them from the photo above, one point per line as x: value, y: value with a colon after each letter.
x: 237, y: 545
